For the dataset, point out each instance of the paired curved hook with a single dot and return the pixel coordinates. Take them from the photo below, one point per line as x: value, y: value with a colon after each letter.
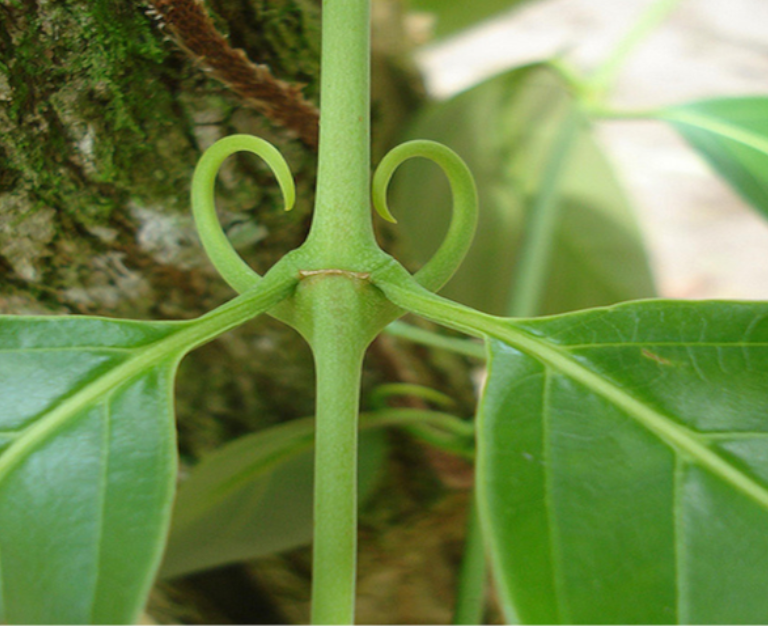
x: 241, y: 277
x: 436, y: 272
x: 220, y: 251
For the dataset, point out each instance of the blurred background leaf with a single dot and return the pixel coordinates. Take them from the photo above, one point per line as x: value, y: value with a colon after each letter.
x: 253, y: 497
x: 505, y: 129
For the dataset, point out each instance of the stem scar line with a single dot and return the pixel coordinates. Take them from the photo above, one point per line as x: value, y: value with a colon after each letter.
x: 360, y: 276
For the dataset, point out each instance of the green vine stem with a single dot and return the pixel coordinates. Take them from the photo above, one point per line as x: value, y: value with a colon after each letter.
x: 335, y: 536
x: 342, y: 205
x: 327, y: 281
x: 329, y: 302
x: 338, y: 343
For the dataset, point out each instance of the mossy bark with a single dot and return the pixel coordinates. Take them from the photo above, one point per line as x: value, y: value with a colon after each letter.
x: 102, y: 118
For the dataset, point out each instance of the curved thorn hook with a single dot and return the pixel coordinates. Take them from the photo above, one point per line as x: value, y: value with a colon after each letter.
x: 449, y: 256
x: 220, y: 251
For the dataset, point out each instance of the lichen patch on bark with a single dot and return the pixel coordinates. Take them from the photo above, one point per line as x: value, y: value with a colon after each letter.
x: 25, y: 234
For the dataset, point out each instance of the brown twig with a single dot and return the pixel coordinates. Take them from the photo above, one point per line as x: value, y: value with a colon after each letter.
x: 281, y: 102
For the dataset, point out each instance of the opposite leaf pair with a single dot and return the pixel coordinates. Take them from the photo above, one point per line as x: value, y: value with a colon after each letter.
x: 621, y: 456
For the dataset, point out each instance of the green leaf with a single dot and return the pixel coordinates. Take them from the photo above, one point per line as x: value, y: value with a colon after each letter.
x: 253, y: 497
x: 87, y: 466
x: 623, y: 464
x: 732, y: 135
x: 88, y: 456
x: 452, y: 16
x: 505, y: 129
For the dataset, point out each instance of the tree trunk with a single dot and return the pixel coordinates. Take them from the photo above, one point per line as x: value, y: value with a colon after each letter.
x: 104, y: 110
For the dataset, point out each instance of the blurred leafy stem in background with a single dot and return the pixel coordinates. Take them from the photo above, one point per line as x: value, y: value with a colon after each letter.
x: 621, y: 451
x: 514, y: 130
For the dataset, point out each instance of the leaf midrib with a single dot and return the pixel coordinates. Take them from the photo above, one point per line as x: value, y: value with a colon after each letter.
x: 731, y: 131
x: 183, y: 338
x: 674, y: 435
x: 402, y: 291
x: 44, y: 427
x: 143, y: 360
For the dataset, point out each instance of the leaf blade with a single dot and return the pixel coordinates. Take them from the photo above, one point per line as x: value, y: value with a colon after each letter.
x: 87, y: 478
x: 731, y: 134
x: 592, y: 469
x: 136, y: 379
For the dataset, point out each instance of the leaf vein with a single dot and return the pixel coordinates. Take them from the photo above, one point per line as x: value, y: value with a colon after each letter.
x: 554, y: 546
x: 103, y: 480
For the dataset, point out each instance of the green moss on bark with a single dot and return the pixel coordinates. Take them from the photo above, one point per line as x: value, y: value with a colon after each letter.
x: 88, y: 118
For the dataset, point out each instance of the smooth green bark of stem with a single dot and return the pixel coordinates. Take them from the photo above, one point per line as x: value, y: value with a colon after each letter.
x: 342, y: 230
x: 335, y: 544
x: 341, y: 238
x: 335, y: 312
x: 538, y: 237
x: 334, y: 306
x: 338, y: 366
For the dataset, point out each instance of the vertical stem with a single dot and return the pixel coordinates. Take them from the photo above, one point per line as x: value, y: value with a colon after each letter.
x: 338, y: 352
x: 536, y: 248
x: 470, y: 599
x: 342, y: 226
x: 605, y: 75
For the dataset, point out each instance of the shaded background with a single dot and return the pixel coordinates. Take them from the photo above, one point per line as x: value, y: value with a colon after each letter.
x: 703, y: 239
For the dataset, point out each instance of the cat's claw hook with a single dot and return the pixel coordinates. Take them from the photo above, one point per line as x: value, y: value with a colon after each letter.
x: 436, y: 272
x: 220, y: 251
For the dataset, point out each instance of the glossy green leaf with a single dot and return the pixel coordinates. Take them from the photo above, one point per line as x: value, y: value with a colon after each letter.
x: 623, y: 465
x: 505, y: 129
x: 253, y: 497
x: 451, y: 16
x: 87, y: 466
x: 732, y: 135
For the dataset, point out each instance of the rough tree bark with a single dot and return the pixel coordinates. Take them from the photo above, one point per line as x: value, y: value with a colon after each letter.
x: 104, y: 110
